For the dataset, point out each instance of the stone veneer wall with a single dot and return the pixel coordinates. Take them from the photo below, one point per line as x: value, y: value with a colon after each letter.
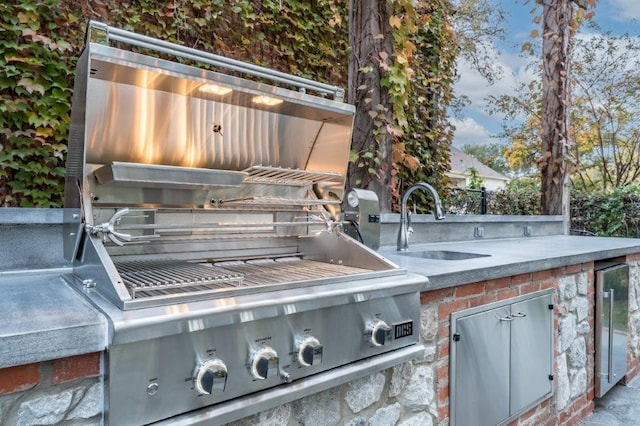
x: 634, y: 316
x: 67, y: 390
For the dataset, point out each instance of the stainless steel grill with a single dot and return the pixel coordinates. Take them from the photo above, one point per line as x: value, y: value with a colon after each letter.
x: 206, y: 227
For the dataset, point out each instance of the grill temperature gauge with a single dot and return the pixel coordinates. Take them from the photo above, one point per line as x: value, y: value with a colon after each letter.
x: 211, y: 376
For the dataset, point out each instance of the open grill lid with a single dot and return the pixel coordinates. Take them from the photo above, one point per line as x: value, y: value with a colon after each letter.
x: 150, y: 131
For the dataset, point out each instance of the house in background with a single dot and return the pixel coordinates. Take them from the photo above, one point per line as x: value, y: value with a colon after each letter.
x: 460, y: 174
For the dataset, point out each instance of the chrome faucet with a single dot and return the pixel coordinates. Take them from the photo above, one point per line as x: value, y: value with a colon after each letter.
x: 405, y: 220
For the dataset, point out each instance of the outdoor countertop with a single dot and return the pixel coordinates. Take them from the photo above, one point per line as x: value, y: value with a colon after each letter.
x: 42, y: 318
x: 507, y: 257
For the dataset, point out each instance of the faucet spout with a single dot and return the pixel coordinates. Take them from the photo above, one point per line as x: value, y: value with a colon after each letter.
x: 438, y: 212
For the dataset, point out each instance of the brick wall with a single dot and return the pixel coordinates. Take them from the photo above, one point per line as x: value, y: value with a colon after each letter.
x: 51, y: 392
x: 449, y: 300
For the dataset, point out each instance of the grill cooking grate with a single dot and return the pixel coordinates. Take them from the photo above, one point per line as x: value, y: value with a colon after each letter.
x: 162, y: 277
x: 158, y: 277
x: 292, y: 269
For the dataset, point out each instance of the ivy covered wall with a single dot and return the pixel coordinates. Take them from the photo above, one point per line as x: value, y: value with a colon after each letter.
x: 41, y: 39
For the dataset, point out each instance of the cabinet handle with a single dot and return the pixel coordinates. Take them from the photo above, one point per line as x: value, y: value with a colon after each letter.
x: 610, y: 336
x: 519, y: 315
x: 507, y: 318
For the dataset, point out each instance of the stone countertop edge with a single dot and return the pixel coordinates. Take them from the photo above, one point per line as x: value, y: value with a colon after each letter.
x: 508, y: 257
x: 42, y: 318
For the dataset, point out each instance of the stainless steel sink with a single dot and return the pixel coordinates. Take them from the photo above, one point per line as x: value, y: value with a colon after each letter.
x: 443, y: 254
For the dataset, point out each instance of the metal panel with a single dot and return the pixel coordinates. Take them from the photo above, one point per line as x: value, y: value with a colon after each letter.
x: 612, y: 317
x: 341, y: 329
x: 531, y: 352
x: 481, y: 359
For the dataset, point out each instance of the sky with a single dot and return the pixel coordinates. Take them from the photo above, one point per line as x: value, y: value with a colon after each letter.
x: 477, y: 126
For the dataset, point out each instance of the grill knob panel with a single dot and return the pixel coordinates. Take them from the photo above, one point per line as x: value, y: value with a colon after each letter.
x: 309, y: 351
x: 211, y: 376
x: 263, y: 363
x: 380, y: 333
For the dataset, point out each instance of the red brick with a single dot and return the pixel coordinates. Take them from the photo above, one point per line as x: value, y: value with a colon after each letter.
x: 548, y: 283
x: 559, y: 272
x: 470, y: 289
x: 443, y: 372
x: 443, y: 331
x: 445, y: 309
x: 529, y: 288
x: 520, y: 279
x: 541, y: 275
x: 443, y: 414
x: 75, y: 367
x: 573, y: 269
x: 633, y: 257
x: 443, y: 351
x: 443, y: 395
x: 507, y: 294
x: 18, y: 379
x: 497, y: 284
x: 436, y: 295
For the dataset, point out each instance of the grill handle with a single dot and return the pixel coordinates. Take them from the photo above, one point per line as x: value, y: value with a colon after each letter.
x: 98, y: 31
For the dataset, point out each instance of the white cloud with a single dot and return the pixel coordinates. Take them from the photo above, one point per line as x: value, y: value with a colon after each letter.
x: 473, y: 86
x: 470, y: 132
x: 622, y: 10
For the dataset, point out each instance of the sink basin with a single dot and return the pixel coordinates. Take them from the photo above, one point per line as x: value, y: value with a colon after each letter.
x: 443, y: 254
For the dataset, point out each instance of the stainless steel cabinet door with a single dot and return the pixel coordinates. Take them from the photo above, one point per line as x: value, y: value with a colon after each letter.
x: 612, y: 317
x: 482, y: 368
x: 531, y: 353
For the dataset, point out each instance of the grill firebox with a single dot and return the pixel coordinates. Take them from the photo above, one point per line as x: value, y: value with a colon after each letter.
x: 206, y: 227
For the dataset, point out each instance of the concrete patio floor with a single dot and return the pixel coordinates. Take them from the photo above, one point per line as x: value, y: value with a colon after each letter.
x: 619, y: 407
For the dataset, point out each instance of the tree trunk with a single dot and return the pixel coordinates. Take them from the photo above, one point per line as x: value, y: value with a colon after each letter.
x: 556, y: 57
x: 369, y: 36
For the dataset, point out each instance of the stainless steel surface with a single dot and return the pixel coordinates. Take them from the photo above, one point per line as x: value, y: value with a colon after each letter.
x: 101, y: 31
x: 211, y: 236
x: 531, y: 352
x: 611, y: 329
x: 251, y: 404
x: 161, y: 176
x: 505, y: 347
x: 405, y: 222
x: 362, y: 216
x: 171, y: 361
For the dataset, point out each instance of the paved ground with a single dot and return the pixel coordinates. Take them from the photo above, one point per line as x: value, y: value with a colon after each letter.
x: 619, y: 407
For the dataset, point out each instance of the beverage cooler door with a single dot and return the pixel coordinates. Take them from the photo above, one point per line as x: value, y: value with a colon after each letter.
x: 612, y: 333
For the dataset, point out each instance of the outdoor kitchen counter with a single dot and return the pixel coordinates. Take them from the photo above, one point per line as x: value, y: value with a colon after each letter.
x: 42, y: 318
x: 505, y: 257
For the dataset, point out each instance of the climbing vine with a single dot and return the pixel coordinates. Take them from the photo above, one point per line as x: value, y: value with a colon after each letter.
x: 41, y: 39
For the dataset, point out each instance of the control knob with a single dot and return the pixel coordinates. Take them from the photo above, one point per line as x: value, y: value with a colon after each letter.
x: 263, y: 363
x: 309, y: 351
x: 379, y: 332
x: 211, y: 376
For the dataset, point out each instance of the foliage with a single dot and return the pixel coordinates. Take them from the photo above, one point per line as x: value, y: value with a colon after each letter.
x: 35, y: 82
x: 410, y: 137
x: 490, y: 155
x: 475, y: 181
x: 614, y: 213
x: 605, y: 104
x: 40, y: 39
x: 429, y: 135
